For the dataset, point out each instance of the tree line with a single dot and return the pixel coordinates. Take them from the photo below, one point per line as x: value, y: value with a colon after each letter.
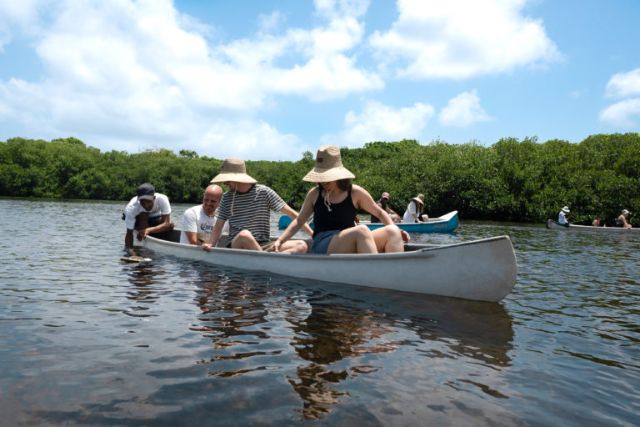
x: 511, y: 180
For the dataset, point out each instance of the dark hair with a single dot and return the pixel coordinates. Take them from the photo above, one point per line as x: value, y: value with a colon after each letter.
x: 343, y: 184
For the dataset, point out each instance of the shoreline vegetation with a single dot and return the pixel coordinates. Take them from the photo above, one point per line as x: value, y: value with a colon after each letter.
x: 511, y: 180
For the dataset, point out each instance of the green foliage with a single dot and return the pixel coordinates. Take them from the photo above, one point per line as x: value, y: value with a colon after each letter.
x: 510, y: 180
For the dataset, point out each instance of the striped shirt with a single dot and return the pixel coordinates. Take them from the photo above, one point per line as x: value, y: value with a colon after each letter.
x: 250, y: 211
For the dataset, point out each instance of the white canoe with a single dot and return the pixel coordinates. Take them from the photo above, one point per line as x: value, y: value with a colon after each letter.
x: 483, y: 270
x: 553, y: 225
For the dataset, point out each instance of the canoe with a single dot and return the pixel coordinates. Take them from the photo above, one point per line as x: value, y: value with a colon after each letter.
x: 443, y: 224
x: 482, y: 270
x: 553, y: 225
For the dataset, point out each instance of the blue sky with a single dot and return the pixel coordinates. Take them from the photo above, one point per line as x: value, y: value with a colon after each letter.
x: 268, y: 80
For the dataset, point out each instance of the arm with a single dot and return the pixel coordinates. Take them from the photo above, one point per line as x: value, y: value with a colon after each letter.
x: 364, y: 201
x: 164, y: 225
x: 192, y: 237
x: 215, y: 235
x: 128, y: 242
x: 300, y: 219
x: 287, y: 210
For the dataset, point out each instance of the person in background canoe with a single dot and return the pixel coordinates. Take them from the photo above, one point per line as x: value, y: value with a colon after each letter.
x: 597, y: 222
x: 562, y: 216
x: 247, y: 207
x: 383, y: 202
x: 333, y: 204
x: 198, y: 221
x: 147, y: 213
x: 623, y: 219
x: 415, y: 209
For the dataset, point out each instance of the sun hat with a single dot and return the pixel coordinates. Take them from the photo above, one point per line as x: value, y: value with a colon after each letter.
x: 419, y: 198
x: 565, y: 209
x: 625, y: 212
x: 328, y: 166
x: 233, y: 170
x: 385, y: 195
x: 145, y: 191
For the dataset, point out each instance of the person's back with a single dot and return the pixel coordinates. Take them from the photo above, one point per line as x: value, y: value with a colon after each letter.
x: 562, y: 216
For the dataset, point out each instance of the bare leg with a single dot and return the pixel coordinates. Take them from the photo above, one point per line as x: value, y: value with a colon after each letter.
x: 245, y: 240
x: 294, y: 247
x: 358, y: 239
x: 388, y: 239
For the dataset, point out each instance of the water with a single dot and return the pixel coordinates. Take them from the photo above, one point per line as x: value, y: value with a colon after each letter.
x: 88, y: 340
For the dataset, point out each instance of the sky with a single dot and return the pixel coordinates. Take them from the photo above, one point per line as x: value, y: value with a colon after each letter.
x: 269, y: 80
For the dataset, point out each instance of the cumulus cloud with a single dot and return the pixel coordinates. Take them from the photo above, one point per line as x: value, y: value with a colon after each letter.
x: 624, y: 84
x: 463, y: 38
x: 379, y: 122
x: 625, y: 114
x: 463, y: 110
x: 125, y: 73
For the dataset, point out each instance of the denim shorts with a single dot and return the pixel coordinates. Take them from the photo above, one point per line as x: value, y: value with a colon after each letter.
x: 321, y: 241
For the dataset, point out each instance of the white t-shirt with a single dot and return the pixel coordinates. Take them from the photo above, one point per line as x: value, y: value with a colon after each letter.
x: 195, y: 220
x: 562, y: 218
x: 411, y: 213
x: 160, y: 207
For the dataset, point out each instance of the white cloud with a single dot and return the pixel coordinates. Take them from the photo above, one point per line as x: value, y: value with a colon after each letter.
x: 625, y: 114
x: 624, y: 84
x: 463, y: 38
x: 124, y: 73
x: 463, y: 110
x: 379, y: 122
x: 17, y: 16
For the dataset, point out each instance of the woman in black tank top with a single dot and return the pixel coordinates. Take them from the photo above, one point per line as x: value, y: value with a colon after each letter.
x: 333, y: 204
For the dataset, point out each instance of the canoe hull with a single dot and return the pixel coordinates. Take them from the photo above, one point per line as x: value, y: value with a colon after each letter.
x: 553, y: 225
x: 483, y: 270
x: 444, y: 224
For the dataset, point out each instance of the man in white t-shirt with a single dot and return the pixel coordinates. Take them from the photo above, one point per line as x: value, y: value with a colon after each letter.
x: 198, y: 221
x: 562, y: 216
x: 147, y: 213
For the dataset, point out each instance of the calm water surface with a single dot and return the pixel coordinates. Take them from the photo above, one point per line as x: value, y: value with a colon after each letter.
x: 88, y: 340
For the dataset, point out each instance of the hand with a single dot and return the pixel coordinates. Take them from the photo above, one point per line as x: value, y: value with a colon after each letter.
x: 131, y: 252
x: 142, y: 234
x: 405, y: 236
x: 276, y: 245
x: 206, y: 247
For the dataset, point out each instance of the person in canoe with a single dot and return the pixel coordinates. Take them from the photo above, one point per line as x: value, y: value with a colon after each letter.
x: 383, y: 202
x: 415, y: 209
x: 198, y: 221
x: 562, y: 216
x: 333, y: 204
x: 623, y: 219
x: 147, y: 213
x: 247, y: 206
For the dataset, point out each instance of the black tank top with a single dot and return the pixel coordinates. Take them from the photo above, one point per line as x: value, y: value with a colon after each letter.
x: 342, y: 214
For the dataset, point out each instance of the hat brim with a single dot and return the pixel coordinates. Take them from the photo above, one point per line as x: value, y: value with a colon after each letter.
x: 328, y: 175
x: 418, y: 200
x: 233, y: 177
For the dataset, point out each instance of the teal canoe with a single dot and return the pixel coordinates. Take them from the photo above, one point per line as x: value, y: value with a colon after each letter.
x: 443, y: 224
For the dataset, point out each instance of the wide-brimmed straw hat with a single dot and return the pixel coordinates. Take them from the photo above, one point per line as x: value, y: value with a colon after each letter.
x: 328, y: 166
x: 625, y: 212
x: 565, y: 209
x: 419, y: 198
x: 233, y: 170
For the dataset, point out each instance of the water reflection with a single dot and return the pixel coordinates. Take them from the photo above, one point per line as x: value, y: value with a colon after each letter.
x: 332, y: 333
x: 142, y: 276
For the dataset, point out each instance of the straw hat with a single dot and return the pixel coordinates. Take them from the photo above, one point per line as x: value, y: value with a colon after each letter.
x: 328, y: 166
x: 419, y: 198
x: 565, y: 209
x: 233, y: 170
x: 625, y: 212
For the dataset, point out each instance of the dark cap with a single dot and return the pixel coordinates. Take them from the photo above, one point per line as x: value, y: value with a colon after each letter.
x: 146, y: 191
